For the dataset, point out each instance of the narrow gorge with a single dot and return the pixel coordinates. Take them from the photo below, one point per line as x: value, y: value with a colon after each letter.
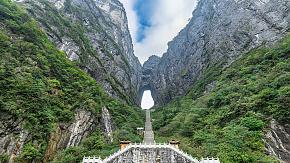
x: 71, y: 85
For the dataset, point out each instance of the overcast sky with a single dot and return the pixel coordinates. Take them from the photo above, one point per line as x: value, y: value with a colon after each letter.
x: 152, y: 24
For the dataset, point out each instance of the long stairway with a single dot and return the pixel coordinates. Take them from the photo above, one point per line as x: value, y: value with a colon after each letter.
x: 149, y: 152
x: 148, y: 134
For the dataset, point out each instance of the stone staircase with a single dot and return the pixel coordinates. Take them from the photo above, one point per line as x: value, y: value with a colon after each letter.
x: 149, y: 151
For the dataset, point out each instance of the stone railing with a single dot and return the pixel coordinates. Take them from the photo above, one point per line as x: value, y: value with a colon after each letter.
x: 209, y: 160
x: 92, y: 160
x: 149, y: 146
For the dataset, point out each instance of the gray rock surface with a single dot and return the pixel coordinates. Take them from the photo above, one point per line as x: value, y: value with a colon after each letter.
x: 95, y: 35
x: 220, y: 31
x: 71, y: 134
x: 107, y: 123
x: 147, y: 72
x: 84, y: 123
x: 13, y: 136
x: 278, y: 141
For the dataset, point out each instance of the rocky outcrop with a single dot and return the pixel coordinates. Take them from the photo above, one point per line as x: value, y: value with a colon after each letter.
x: 220, y: 31
x: 13, y: 136
x: 278, y: 141
x: 147, y: 72
x: 107, y: 123
x: 68, y: 135
x: 85, y: 122
x: 95, y: 35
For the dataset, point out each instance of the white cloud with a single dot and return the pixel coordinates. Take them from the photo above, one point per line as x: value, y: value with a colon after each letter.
x: 168, y: 18
x: 132, y: 17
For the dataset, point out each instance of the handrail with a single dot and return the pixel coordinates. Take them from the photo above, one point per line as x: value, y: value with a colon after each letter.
x: 135, y: 145
x: 142, y: 145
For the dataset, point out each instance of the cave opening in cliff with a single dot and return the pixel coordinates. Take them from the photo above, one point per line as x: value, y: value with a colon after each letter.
x: 147, y: 100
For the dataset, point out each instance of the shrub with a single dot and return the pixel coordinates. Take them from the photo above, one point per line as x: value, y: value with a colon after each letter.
x: 30, y: 152
x: 252, y: 123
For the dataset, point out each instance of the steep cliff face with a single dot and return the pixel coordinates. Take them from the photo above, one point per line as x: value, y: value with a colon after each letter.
x: 220, y: 31
x: 49, y: 105
x: 243, y: 116
x: 13, y: 137
x: 94, y: 34
x: 278, y: 141
x: 222, y: 118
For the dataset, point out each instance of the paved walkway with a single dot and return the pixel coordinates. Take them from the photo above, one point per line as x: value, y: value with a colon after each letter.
x: 148, y: 135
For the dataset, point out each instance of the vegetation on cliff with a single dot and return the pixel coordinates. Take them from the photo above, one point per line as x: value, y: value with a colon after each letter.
x: 40, y: 88
x: 80, y: 25
x: 229, y: 121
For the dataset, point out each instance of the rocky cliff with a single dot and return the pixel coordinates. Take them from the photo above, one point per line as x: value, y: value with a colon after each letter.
x: 277, y: 141
x: 49, y: 106
x: 219, y: 32
x: 243, y: 116
x: 147, y: 72
x: 95, y: 35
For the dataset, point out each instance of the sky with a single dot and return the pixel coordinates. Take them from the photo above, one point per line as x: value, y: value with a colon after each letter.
x: 147, y: 100
x: 152, y: 24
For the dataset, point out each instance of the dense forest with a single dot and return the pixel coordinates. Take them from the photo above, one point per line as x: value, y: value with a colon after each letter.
x: 229, y: 121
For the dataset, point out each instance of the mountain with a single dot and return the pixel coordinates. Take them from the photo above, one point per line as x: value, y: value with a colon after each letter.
x: 71, y: 85
x: 219, y: 32
x: 95, y: 35
x: 222, y: 87
x: 50, y: 108
x: 245, y: 116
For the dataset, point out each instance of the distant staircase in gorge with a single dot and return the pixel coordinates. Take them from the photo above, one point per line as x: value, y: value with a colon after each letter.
x: 149, y: 151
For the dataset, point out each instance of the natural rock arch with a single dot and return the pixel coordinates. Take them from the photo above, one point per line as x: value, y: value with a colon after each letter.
x: 146, y: 83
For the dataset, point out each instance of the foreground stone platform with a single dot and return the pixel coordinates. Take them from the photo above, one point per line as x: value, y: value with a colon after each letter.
x: 149, y: 151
